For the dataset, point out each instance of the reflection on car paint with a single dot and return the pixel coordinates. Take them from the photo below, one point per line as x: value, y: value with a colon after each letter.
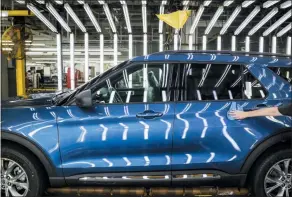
x: 126, y: 143
x: 82, y: 134
x: 212, y: 155
x: 147, y: 160
x: 128, y: 163
x: 33, y: 132
x: 125, y: 132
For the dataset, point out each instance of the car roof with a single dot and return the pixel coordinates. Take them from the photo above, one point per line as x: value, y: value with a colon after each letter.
x: 235, y: 57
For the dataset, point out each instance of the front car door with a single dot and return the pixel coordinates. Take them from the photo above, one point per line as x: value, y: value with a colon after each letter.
x: 128, y: 133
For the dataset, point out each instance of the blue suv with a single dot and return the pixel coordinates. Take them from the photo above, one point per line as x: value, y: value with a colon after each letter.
x: 160, y: 119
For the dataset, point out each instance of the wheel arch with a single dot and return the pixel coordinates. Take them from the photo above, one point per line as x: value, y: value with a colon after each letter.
x: 33, y: 148
x: 280, y: 139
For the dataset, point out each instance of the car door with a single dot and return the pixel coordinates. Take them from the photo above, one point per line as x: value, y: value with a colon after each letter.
x: 128, y: 130
x: 205, y: 138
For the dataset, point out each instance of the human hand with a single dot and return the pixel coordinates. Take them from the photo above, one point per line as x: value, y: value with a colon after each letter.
x: 239, y: 115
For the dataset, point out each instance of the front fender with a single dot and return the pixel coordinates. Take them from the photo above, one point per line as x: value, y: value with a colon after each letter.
x: 35, y: 129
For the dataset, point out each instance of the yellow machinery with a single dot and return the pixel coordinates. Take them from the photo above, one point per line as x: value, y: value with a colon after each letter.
x: 12, y: 45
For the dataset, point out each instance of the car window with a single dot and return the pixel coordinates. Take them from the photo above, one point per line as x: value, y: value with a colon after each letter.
x: 215, y: 82
x: 137, y: 83
x: 284, y: 72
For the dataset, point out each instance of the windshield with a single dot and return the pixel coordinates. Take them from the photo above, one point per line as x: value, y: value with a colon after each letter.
x: 66, y: 96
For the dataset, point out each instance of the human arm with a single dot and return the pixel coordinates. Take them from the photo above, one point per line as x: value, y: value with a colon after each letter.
x: 269, y: 111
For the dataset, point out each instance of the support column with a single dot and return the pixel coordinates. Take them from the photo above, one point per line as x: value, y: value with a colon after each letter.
x: 115, y: 49
x: 219, y: 43
x: 145, y: 47
x: 247, y: 44
x: 288, y: 46
x: 86, y: 63
x: 101, y: 46
x: 261, y: 44
x: 20, y: 67
x: 233, y: 43
x: 59, y: 62
x: 204, y: 42
x: 274, y: 44
x: 160, y: 42
x: 72, y: 62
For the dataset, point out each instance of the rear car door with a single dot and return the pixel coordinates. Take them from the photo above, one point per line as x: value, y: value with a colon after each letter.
x: 128, y: 133
x: 204, y: 137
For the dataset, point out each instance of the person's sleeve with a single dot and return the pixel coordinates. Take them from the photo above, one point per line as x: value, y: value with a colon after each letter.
x: 286, y: 110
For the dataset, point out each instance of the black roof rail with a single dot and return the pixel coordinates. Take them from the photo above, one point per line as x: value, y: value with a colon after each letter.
x: 224, y: 52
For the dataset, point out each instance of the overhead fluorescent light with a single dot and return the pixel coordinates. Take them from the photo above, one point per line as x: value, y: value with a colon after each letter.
x: 41, y: 1
x: 127, y: 17
x: 92, y: 17
x: 197, y: 19
x: 278, y: 23
x: 230, y: 20
x: 101, y: 2
x: 20, y: 1
x: 59, y: 2
x: 227, y: 3
x: 36, y: 12
x: 144, y: 18
x: 80, y: 1
x: 284, y: 30
x: 74, y: 17
x: 247, y: 3
x: 163, y: 2
x: 144, y: 2
x: 58, y: 17
x: 270, y: 15
x: 214, y: 19
x: 185, y: 3
x: 286, y: 4
x: 255, y: 11
x: 109, y: 18
x: 268, y: 4
x: 207, y: 3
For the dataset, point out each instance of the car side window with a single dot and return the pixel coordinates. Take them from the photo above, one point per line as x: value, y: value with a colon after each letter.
x: 135, y: 84
x: 284, y: 72
x: 198, y: 81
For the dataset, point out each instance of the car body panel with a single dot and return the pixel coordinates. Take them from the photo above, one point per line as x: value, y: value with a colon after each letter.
x: 38, y: 125
x: 110, y: 138
x: 73, y: 139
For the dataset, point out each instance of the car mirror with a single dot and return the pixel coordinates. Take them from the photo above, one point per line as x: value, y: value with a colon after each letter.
x: 84, y: 99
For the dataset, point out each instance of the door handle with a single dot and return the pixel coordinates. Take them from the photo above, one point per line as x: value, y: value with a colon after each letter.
x: 261, y: 105
x: 149, y: 114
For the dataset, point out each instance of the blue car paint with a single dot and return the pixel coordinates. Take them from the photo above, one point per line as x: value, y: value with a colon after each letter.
x: 79, y: 141
x: 110, y: 138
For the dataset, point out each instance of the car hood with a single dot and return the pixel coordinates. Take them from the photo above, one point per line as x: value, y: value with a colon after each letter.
x: 20, y: 102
